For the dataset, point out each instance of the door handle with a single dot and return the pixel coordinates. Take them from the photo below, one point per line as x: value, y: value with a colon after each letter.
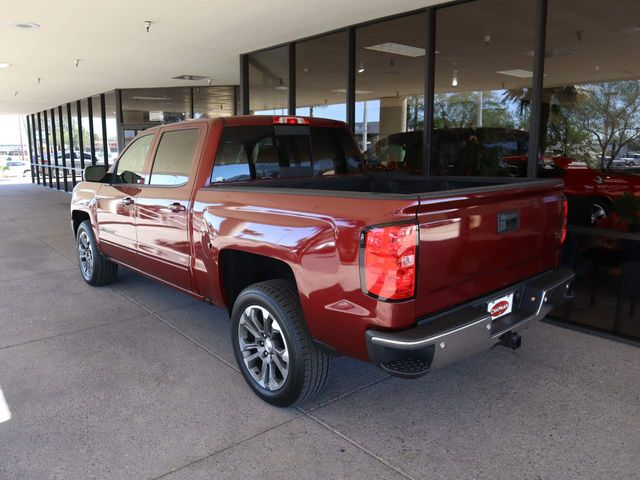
x: 127, y: 201
x: 177, y: 207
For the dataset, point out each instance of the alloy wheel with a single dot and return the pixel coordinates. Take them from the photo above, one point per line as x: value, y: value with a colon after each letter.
x: 85, y: 254
x: 263, y: 348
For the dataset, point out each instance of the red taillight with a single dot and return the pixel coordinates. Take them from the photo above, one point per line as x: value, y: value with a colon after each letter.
x: 291, y: 120
x: 565, y: 218
x: 389, y: 261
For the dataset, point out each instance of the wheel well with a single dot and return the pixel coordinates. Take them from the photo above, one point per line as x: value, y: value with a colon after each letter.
x: 239, y: 269
x: 78, y: 216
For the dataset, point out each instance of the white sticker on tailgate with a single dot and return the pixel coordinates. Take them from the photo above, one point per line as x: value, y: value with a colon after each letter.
x: 501, y: 306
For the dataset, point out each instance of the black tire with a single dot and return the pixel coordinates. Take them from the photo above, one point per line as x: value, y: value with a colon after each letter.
x: 308, y: 366
x: 95, y: 269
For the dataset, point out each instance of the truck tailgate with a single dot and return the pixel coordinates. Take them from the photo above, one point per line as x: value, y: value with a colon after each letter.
x: 479, y: 242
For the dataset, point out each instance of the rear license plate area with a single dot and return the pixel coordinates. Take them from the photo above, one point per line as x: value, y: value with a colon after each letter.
x: 500, y: 306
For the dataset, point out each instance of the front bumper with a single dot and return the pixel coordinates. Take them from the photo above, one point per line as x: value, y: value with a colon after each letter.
x: 468, y: 329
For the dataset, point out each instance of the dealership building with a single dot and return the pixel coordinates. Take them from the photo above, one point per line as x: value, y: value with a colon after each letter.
x: 513, y: 76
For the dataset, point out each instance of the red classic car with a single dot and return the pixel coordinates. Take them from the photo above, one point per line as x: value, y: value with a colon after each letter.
x: 592, y: 192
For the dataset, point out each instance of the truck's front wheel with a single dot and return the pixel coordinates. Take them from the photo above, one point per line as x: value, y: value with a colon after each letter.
x: 272, y: 346
x: 95, y: 268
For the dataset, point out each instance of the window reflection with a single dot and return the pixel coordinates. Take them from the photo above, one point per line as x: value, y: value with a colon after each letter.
x: 483, y: 78
x: 213, y: 102
x: 321, y: 77
x: 591, y: 139
x: 112, y: 127
x: 97, y: 130
x: 155, y: 105
x: 390, y: 65
x: 268, y: 81
x: 591, y: 110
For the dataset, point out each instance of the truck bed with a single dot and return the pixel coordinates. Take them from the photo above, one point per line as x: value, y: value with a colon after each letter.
x: 360, y: 185
x: 464, y: 253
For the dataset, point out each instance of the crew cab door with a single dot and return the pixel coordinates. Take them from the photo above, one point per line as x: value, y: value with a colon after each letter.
x: 164, y: 205
x: 116, y: 202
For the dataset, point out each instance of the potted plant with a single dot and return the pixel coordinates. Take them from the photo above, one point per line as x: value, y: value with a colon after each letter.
x: 627, y: 208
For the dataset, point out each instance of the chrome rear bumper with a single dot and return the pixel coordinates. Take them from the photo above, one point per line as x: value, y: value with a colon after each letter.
x: 466, y: 330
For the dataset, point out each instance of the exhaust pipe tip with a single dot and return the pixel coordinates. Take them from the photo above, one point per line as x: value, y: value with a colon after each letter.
x: 510, y: 340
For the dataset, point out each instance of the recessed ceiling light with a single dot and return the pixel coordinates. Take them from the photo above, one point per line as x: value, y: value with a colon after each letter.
x: 553, y: 52
x: 517, y: 72
x: 25, y: 25
x: 4, y: 65
x: 398, y: 49
x: 189, y: 77
x: 159, y: 99
x: 631, y: 30
x: 282, y: 86
x: 358, y: 92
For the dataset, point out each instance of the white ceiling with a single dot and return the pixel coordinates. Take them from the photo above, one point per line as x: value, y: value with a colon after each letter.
x: 199, y: 37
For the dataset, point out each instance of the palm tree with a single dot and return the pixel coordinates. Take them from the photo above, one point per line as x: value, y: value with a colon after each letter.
x: 554, y: 99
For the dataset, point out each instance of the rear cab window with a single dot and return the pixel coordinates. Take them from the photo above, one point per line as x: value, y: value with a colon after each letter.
x: 283, y: 151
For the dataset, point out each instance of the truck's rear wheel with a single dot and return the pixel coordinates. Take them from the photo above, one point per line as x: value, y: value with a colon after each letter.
x: 96, y: 270
x: 272, y: 346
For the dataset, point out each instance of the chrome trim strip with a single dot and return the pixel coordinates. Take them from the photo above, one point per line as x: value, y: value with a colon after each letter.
x: 415, y: 343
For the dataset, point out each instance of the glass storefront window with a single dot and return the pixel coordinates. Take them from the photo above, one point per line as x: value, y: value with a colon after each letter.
x: 39, y: 158
x: 153, y: 106
x: 590, y: 121
x: 483, y: 80
x: 390, y: 65
x: 213, y: 102
x: 591, y: 110
x: 112, y: 126
x: 63, y: 145
x: 321, y: 77
x: 73, y: 140
x: 268, y: 82
x: 54, y: 143
x: 96, y: 121
x: 86, y: 137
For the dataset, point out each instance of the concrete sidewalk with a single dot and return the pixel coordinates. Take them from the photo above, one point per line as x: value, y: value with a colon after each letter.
x: 137, y: 381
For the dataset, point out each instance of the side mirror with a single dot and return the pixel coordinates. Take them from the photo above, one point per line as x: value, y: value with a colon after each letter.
x: 95, y: 173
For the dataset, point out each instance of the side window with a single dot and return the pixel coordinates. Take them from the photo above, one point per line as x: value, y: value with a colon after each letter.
x: 131, y: 163
x: 174, y: 157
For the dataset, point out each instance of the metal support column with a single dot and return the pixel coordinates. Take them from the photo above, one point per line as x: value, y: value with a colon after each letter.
x: 429, y: 88
x: 351, y: 78
x: 536, y: 134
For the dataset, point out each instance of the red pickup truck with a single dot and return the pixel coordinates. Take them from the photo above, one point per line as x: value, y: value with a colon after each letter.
x: 274, y: 219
